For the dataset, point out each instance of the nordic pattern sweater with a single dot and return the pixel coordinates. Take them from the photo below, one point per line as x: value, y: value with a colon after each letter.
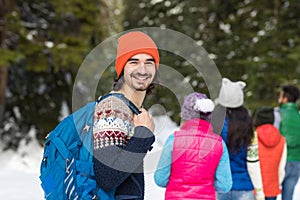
x: 119, y: 149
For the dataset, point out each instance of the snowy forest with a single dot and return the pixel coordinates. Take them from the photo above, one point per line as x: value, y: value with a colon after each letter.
x: 43, y: 44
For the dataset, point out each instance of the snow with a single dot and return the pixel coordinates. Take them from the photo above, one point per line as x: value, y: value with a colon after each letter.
x: 19, y: 171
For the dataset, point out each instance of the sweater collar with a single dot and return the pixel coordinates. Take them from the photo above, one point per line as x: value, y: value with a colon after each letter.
x: 289, y: 105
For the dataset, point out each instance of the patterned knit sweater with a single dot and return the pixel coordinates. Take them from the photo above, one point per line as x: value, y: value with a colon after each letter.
x: 113, y: 123
x: 119, y: 149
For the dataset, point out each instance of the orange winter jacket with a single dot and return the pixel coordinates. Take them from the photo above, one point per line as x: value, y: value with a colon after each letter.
x: 270, y: 149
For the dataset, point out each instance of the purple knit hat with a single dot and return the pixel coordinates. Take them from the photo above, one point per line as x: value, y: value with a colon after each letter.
x: 196, y: 105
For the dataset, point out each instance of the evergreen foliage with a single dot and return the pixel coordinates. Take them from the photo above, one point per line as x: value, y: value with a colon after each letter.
x: 43, y: 44
x: 253, y: 41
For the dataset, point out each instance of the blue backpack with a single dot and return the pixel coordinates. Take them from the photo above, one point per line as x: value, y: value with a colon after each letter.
x: 67, y: 166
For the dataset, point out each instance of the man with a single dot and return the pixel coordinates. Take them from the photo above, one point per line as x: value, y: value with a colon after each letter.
x: 290, y: 129
x: 106, y: 161
x: 121, y: 137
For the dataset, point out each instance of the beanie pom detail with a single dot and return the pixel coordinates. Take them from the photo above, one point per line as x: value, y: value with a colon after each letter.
x: 204, y: 105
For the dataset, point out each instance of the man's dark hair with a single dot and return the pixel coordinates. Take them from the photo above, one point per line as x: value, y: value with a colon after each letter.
x: 291, y: 92
x: 118, y: 82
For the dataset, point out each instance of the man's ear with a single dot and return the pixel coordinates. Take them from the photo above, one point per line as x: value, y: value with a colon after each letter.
x: 285, y: 99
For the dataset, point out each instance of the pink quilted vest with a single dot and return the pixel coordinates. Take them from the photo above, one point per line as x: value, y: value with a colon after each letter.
x: 196, y: 155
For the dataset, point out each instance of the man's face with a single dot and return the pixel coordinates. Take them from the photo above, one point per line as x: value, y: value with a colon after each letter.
x: 282, y: 99
x: 139, y: 72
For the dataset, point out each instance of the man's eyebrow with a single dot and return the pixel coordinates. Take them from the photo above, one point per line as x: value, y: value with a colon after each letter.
x: 150, y: 59
x: 135, y: 59
x: 132, y: 59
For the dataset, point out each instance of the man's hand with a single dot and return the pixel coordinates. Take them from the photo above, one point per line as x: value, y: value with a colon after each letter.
x: 144, y: 119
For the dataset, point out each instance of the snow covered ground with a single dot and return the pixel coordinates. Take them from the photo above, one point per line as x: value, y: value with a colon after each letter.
x: 19, y: 170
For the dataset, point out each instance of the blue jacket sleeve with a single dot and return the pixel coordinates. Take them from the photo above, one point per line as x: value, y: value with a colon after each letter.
x: 163, y: 170
x: 223, y: 178
x: 225, y: 128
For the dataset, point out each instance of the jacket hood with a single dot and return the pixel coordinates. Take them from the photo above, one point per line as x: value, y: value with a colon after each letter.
x: 268, y: 135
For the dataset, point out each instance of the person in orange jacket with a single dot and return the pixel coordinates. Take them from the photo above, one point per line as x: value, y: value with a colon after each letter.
x: 272, y: 151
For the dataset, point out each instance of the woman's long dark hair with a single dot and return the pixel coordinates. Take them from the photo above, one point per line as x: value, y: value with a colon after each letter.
x: 118, y: 82
x: 240, y: 129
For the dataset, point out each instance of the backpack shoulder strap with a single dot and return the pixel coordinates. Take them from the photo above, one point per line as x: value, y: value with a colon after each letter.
x: 129, y: 103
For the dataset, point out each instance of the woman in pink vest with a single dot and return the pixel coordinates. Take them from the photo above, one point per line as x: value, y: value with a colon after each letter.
x: 194, y: 162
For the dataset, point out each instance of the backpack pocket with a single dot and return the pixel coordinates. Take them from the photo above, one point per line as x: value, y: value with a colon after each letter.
x: 63, y: 176
x: 52, y: 174
x: 85, y: 178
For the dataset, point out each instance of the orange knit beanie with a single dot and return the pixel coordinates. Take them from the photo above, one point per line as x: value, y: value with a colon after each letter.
x: 133, y: 43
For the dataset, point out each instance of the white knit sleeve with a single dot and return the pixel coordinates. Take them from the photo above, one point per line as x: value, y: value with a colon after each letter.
x: 281, y: 170
x: 253, y: 166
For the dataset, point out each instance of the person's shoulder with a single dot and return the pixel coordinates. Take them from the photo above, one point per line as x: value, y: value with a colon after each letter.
x: 108, y: 101
x: 215, y: 136
x: 112, y: 106
x: 111, y: 99
x: 276, y: 109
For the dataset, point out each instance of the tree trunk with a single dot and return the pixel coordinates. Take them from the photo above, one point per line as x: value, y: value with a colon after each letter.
x: 3, y: 82
x: 6, y: 6
x: 3, y: 69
